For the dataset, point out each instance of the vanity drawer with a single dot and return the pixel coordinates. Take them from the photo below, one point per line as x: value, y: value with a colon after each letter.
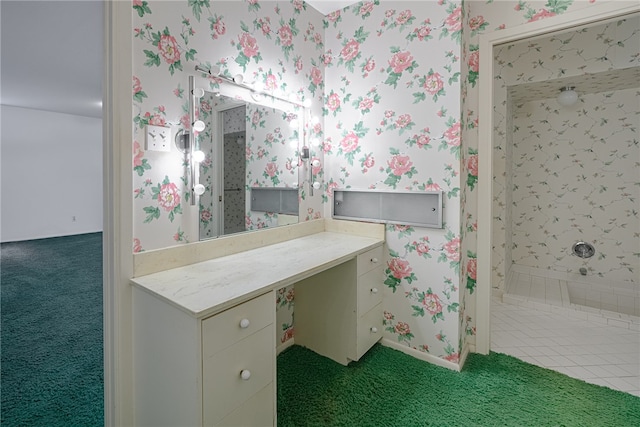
x: 370, y: 289
x: 223, y: 386
x: 230, y: 326
x: 369, y: 330
x: 370, y: 259
x: 257, y: 411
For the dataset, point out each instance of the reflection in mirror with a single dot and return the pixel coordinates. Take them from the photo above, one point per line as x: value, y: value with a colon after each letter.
x: 246, y: 145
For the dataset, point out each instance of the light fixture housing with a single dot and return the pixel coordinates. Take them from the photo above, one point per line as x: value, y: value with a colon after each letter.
x: 567, y: 96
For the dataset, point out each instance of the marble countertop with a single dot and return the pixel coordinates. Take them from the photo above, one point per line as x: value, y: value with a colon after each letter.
x: 208, y: 287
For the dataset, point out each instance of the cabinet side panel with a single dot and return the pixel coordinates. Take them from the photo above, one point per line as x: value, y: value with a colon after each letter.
x: 167, y: 364
x: 325, y: 312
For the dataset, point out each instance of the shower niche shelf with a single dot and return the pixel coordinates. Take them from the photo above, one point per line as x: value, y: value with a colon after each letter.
x: 422, y: 209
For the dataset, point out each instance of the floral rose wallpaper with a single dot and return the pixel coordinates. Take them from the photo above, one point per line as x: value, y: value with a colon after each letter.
x: 392, y: 120
x: 394, y: 84
x: 277, y: 45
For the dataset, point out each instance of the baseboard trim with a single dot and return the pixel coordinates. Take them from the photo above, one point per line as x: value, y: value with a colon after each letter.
x: 434, y: 360
x: 285, y: 345
x: 466, y: 349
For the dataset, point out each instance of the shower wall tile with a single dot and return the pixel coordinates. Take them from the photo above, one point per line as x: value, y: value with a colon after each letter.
x: 576, y: 177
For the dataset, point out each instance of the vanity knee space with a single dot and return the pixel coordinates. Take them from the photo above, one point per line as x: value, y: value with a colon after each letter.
x: 339, y: 311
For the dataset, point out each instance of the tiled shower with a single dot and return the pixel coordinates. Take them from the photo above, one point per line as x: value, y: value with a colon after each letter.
x: 568, y: 174
x: 564, y: 175
x: 573, y: 173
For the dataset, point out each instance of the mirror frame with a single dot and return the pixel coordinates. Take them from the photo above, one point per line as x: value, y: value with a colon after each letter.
x: 224, y: 85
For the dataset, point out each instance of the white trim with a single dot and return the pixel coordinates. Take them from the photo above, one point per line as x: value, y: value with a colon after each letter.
x: 434, y: 360
x: 282, y: 347
x: 591, y: 14
x: 466, y: 349
x: 118, y: 214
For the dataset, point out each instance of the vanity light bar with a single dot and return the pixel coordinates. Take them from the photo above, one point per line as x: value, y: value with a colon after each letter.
x: 192, y: 118
x: 239, y: 82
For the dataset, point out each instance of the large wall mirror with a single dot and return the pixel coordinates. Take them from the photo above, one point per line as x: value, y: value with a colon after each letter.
x: 252, y: 162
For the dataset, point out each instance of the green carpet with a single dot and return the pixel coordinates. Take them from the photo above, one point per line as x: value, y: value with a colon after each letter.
x: 52, y: 348
x: 389, y: 388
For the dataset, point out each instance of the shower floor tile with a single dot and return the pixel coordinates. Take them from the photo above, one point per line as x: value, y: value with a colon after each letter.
x: 590, y: 351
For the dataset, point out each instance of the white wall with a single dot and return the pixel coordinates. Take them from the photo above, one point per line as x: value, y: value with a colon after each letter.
x: 51, y: 171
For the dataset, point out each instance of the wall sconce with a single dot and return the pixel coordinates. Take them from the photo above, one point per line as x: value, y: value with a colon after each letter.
x: 567, y: 96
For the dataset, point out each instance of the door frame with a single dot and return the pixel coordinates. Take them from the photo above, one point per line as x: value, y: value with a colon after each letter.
x: 217, y: 123
x: 588, y: 15
x: 117, y: 141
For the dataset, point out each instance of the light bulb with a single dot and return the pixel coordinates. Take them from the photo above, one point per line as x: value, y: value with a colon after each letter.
x: 315, y: 142
x: 198, y: 126
x: 198, y: 189
x: 198, y: 156
x: 198, y: 92
x: 214, y: 70
x: 293, y: 123
x: 567, y: 96
x: 316, y: 185
x: 315, y: 120
x: 307, y: 103
x: 238, y: 78
x: 315, y: 163
x: 293, y: 143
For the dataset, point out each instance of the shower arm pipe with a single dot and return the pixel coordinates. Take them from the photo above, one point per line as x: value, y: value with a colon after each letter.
x: 192, y: 138
x: 243, y: 85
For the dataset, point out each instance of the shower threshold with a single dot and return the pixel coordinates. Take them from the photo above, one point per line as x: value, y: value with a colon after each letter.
x: 553, y: 295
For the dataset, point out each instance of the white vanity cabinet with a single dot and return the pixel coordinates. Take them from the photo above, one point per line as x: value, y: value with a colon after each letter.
x: 369, y: 299
x: 216, y: 371
x: 204, y: 340
x: 239, y: 365
x: 338, y: 313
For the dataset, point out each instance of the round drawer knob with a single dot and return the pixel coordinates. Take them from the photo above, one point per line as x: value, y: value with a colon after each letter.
x: 245, y: 374
x: 374, y: 330
x: 244, y: 323
x: 374, y: 290
x: 374, y: 260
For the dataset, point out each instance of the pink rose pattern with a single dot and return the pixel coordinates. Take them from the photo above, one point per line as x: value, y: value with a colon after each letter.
x: 349, y: 65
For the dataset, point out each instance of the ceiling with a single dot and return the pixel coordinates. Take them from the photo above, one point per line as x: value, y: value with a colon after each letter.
x: 606, y: 81
x: 52, y: 55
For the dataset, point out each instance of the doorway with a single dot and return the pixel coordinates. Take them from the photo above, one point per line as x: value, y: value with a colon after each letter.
x: 488, y: 42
